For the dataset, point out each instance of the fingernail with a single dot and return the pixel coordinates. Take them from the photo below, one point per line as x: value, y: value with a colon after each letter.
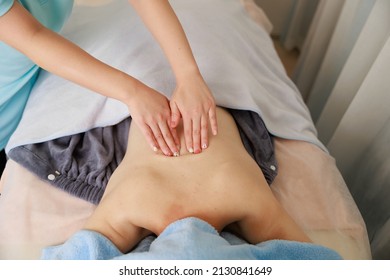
x: 191, y: 150
x: 176, y: 154
x: 204, y: 146
x: 155, y: 149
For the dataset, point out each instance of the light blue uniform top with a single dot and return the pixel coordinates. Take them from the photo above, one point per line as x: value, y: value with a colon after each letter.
x: 17, y: 72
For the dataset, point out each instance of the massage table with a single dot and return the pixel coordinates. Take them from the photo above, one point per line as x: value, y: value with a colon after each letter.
x: 35, y: 214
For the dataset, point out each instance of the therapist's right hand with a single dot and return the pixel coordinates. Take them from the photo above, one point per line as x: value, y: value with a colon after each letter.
x: 151, y: 112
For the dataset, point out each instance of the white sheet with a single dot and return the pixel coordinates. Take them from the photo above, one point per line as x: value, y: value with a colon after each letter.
x: 236, y: 57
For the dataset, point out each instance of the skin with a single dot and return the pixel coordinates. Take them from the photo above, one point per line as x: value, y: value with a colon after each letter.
x: 155, y: 115
x: 224, y: 187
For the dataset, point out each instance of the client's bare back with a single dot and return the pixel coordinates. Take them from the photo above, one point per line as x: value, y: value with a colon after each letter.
x: 223, y: 186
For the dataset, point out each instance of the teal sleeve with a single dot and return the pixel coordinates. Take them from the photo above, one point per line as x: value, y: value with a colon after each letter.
x: 5, y: 5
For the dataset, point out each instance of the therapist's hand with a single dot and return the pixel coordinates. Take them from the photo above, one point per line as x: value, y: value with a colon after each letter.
x: 151, y: 112
x: 193, y: 101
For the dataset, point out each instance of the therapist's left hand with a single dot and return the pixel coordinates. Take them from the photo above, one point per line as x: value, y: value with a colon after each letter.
x: 194, y: 103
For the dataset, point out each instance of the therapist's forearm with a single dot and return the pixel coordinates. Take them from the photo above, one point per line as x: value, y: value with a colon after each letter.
x: 163, y: 23
x: 61, y: 57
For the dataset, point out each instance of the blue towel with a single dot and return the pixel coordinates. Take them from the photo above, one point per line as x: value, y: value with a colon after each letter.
x: 187, y: 239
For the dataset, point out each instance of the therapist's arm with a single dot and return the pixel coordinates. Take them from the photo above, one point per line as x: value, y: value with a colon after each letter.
x: 149, y: 109
x: 192, y: 99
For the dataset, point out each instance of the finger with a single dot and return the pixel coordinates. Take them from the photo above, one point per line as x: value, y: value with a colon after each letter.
x: 187, y: 126
x: 175, y: 115
x: 166, y: 131
x: 176, y: 139
x: 213, y: 120
x: 204, y: 133
x: 158, y: 135
x: 196, y: 128
x: 175, y: 119
x: 146, y: 130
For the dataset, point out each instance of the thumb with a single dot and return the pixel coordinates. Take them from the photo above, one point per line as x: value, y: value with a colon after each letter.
x: 175, y: 114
